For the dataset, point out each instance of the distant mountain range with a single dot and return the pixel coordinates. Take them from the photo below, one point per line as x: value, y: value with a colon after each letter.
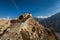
x: 53, y: 21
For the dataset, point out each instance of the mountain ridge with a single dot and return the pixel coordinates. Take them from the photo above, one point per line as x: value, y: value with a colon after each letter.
x: 52, y: 21
x: 25, y: 27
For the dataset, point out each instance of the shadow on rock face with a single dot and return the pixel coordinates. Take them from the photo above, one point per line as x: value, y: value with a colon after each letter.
x: 25, y: 35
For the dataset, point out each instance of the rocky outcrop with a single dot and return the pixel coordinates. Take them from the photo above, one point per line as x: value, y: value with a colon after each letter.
x: 26, y: 28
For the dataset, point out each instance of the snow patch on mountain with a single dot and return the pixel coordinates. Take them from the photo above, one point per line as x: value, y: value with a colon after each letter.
x: 42, y: 16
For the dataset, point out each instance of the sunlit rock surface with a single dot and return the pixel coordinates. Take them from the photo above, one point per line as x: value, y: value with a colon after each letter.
x: 25, y: 28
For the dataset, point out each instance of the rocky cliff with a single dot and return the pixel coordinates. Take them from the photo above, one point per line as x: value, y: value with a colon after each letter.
x: 25, y: 28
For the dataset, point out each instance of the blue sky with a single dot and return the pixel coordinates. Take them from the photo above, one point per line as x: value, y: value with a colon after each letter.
x: 14, y: 8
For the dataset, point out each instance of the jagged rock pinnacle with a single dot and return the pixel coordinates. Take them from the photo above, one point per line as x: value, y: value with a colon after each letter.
x: 27, y: 15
